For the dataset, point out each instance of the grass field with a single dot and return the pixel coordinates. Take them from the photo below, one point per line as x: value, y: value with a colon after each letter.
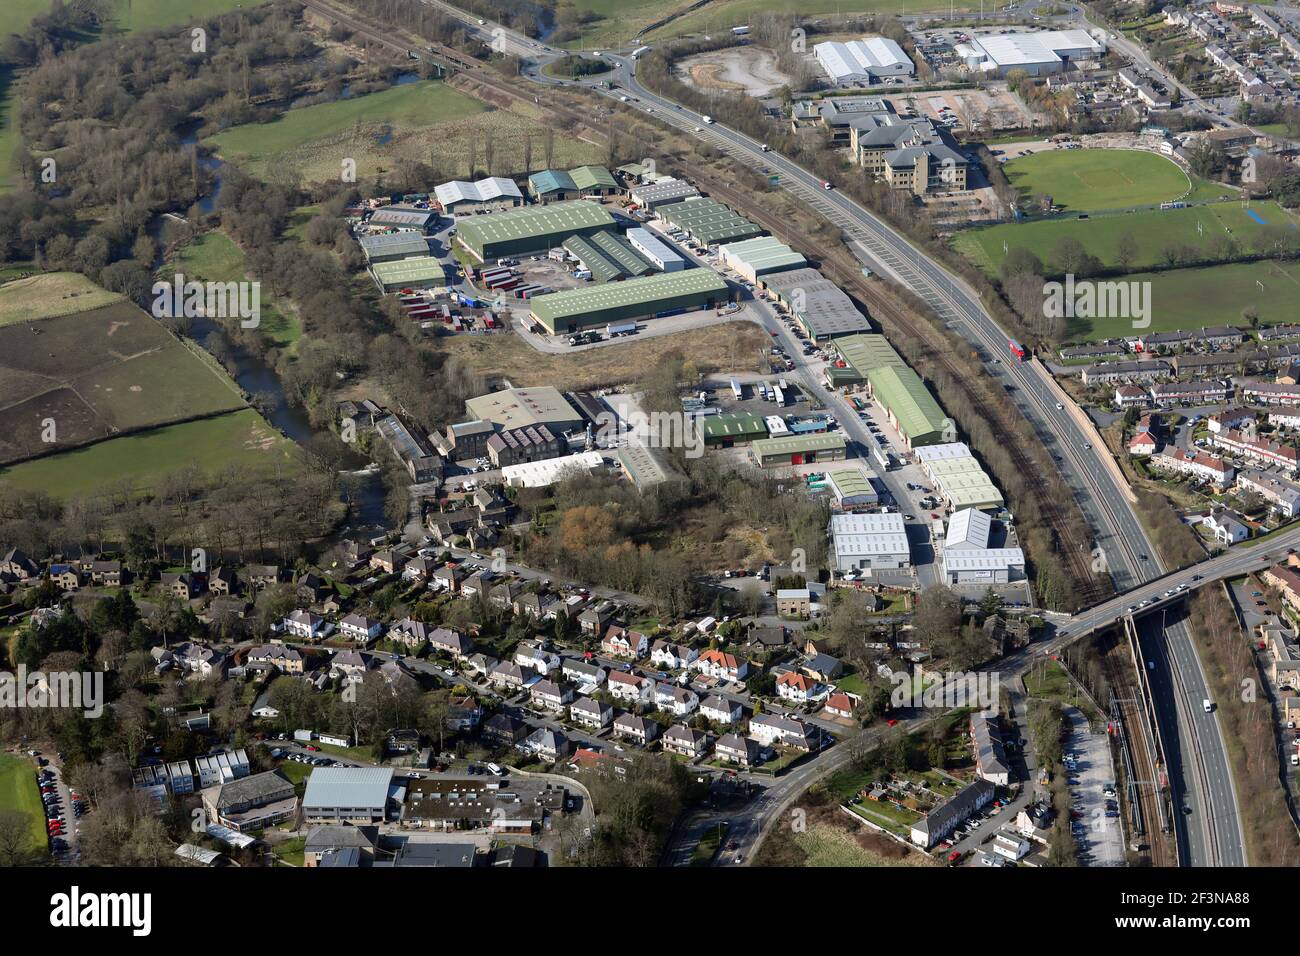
x: 51, y: 294
x: 148, y: 14
x: 18, y: 791
x: 1192, y: 298
x: 419, y: 122
x: 95, y: 373
x: 724, y: 14
x: 1151, y: 229
x: 242, y: 439
x: 214, y: 257
x: 1083, y: 179
x: 16, y: 14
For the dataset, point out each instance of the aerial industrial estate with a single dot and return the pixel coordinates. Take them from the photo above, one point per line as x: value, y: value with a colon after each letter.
x: 718, y: 437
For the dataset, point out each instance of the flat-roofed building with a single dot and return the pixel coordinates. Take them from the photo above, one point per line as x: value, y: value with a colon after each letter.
x: 391, y: 246
x: 655, y: 250
x: 543, y: 474
x: 347, y: 794
x: 1038, y: 54
x: 869, y: 542
x: 420, y: 272
x: 524, y: 407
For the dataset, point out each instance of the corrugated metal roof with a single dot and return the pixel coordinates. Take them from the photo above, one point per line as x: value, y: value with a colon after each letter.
x: 533, y: 222
x: 794, y: 445
x: 902, y: 392
x: 347, y: 787
x: 645, y: 291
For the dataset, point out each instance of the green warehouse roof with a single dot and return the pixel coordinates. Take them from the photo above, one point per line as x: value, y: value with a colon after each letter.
x: 418, y: 270
x: 395, y: 245
x: 620, y: 295
x: 603, y: 269
x: 549, y: 181
x: 763, y: 254
x: 708, y: 221
x: 593, y: 177
x: 559, y: 219
x: 797, y: 444
x: 735, y: 425
x: 866, y: 351
x: 608, y: 256
x: 902, y: 392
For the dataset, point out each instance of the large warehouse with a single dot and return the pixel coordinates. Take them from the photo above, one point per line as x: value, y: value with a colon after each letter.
x: 869, y: 542
x: 655, y: 250
x: 707, y: 222
x: 758, y: 257
x: 912, y: 409
x: 958, y: 477
x: 424, y: 272
x: 858, y: 355
x: 798, y: 450
x: 662, y: 193
x: 493, y: 194
x: 968, y: 557
x: 816, y: 303
x: 608, y: 256
x: 531, y: 229
x: 1038, y: 54
x: 868, y: 60
x: 513, y: 408
x: 585, y: 308
x: 391, y: 246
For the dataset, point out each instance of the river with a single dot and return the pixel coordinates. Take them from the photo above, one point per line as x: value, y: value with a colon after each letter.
x: 258, y: 378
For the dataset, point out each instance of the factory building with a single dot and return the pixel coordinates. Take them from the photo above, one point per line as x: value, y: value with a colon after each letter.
x: 494, y: 194
x: 1038, y: 54
x: 869, y: 542
x: 958, y: 477
x: 402, y: 217
x: 552, y: 185
x: 662, y: 192
x: 912, y: 410
x: 531, y: 229
x: 655, y: 250
x: 707, y: 221
x: 594, y: 181
x: 759, y: 257
x: 798, y: 450
x: 646, y: 297
x: 424, y: 272
x: 607, y: 256
x: 736, y: 428
x: 968, y: 557
x: 858, y: 355
x: 816, y: 303
x: 868, y: 60
x: 391, y: 246
x: 853, y: 487
x: 542, y: 474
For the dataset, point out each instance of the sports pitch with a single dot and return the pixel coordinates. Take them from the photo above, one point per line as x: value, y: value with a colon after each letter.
x: 18, y: 791
x: 1080, y: 180
x: 75, y: 378
x: 1152, y: 230
x: 1215, y: 295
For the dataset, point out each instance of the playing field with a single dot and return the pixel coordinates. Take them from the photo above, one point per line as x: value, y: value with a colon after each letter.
x: 214, y: 257
x: 1085, y: 179
x: 724, y: 14
x: 18, y: 791
x: 1216, y: 295
x: 75, y: 378
x: 240, y: 439
x: 1152, y: 232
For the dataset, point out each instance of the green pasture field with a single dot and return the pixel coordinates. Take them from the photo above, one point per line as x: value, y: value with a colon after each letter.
x: 240, y: 439
x: 1080, y: 180
x: 18, y: 791
x: 1152, y: 230
x: 215, y: 257
x: 724, y: 14
x: 1215, y: 295
x: 136, y: 15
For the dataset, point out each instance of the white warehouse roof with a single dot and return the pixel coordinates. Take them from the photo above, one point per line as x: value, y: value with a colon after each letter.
x: 968, y: 530
x: 540, y: 474
x: 1009, y: 50
x: 857, y: 534
x: 862, y: 59
x: 485, y: 190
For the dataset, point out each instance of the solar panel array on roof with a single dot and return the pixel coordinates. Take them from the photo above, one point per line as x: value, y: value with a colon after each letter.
x: 708, y: 221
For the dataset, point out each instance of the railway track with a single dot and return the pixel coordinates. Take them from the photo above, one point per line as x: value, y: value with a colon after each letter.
x: 837, y: 263
x: 1116, y: 665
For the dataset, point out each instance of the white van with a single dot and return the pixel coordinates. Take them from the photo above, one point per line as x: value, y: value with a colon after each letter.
x: 1208, y: 705
x: 495, y: 770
